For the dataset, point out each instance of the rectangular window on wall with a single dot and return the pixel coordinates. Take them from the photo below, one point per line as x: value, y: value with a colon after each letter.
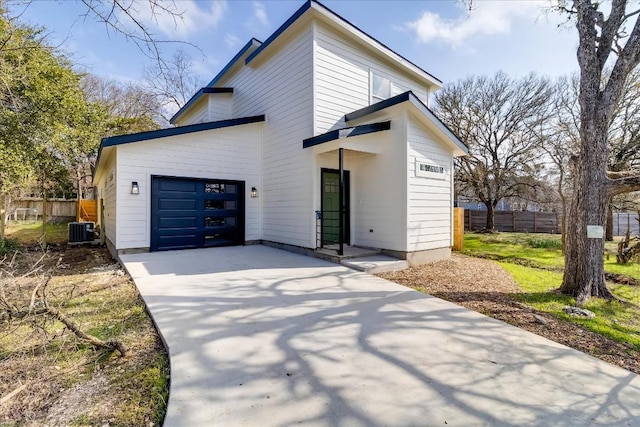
x: 380, y: 88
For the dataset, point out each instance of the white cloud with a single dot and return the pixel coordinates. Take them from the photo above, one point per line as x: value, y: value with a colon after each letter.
x: 231, y: 41
x: 260, y: 13
x: 485, y: 18
x: 189, y: 17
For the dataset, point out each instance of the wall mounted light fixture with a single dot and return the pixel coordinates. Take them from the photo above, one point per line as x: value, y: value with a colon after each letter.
x: 254, y: 192
x: 135, y: 188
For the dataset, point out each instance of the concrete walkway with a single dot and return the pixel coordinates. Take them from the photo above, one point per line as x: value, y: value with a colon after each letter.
x: 263, y: 337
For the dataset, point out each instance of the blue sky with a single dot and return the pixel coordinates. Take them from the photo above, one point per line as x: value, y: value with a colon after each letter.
x: 516, y: 36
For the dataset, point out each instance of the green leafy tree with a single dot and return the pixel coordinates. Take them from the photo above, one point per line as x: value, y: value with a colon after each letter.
x: 44, y: 117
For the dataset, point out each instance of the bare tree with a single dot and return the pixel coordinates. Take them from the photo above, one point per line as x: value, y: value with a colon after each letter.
x: 130, y: 107
x: 624, y: 142
x: 499, y: 119
x: 602, y: 40
x: 173, y: 82
x: 559, y: 139
x: 624, y: 133
x: 126, y: 17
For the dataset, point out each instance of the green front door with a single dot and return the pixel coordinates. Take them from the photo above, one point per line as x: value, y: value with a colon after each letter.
x: 330, y: 182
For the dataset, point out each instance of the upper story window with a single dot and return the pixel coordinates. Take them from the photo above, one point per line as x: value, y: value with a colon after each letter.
x: 380, y: 88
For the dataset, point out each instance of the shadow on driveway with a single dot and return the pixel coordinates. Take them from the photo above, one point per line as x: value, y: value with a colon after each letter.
x: 259, y: 336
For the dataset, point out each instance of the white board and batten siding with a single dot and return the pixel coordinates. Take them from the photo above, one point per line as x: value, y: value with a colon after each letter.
x: 429, y: 194
x: 342, y: 79
x: 229, y: 153
x: 281, y: 88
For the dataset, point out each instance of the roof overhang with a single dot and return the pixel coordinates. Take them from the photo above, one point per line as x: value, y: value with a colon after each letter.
x: 238, y: 60
x: 197, y: 97
x: 312, y: 9
x: 421, y: 111
x: 346, y: 133
x: 113, y: 141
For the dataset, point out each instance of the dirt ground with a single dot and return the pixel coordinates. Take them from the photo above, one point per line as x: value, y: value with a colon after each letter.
x: 49, y: 377
x: 483, y: 286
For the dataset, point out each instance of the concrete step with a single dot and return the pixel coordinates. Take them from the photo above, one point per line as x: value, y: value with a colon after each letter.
x: 376, y: 264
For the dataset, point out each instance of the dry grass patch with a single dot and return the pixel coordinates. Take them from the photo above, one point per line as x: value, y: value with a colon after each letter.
x: 50, y: 377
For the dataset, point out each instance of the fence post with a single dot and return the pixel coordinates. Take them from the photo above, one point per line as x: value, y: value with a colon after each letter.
x: 535, y: 221
x: 513, y: 220
x: 458, y: 229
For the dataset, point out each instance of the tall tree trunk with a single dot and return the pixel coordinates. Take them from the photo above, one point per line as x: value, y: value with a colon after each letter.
x: 609, y: 230
x: 489, y: 224
x: 45, y: 219
x: 563, y: 225
x: 563, y: 216
x: 584, y: 257
x: 3, y: 213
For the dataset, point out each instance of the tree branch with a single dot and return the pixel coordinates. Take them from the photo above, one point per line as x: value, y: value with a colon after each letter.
x: 623, y: 182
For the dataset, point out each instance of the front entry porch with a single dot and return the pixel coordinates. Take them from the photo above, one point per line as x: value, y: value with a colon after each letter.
x: 362, y: 259
x: 330, y: 252
x: 334, y: 217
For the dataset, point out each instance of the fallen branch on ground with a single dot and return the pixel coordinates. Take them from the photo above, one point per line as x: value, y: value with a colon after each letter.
x: 22, y: 306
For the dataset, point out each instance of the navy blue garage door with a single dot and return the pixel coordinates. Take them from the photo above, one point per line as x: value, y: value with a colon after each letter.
x: 196, y: 213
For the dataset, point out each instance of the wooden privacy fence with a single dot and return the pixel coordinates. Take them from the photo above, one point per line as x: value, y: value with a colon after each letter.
x: 57, y: 209
x: 514, y: 221
x: 87, y: 211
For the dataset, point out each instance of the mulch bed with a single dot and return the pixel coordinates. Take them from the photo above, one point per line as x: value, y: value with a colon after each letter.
x: 482, y: 285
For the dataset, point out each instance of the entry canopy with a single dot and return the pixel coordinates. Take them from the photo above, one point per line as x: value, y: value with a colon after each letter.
x: 424, y: 113
x: 338, y: 138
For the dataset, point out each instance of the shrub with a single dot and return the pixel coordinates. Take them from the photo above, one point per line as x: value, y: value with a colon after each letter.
x: 545, y: 243
x: 8, y: 246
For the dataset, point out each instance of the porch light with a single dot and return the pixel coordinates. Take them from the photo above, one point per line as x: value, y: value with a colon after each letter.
x: 135, y: 188
x: 254, y: 192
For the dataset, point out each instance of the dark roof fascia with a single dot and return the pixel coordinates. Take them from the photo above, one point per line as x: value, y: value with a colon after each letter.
x: 180, y: 130
x: 377, y: 41
x: 346, y: 133
x: 306, y: 6
x: 197, y: 96
x: 293, y: 18
x: 390, y: 102
x: 408, y: 97
x: 235, y: 59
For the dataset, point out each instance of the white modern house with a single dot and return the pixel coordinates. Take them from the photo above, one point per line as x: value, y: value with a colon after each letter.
x: 320, y: 136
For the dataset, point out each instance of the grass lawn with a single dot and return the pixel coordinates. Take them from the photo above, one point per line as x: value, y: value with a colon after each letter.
x: 543, y: 250
x: 28, y: 233
x: 535, y: 262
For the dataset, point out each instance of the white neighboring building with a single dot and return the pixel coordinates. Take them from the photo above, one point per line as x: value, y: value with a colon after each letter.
x: 258, y: 154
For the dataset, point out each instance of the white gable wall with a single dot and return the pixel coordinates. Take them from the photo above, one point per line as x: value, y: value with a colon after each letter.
x: 220, y: 106
x: 199, y: 113
x: 230, y: 153
x: 343, y: 73
x: 281, y: 88
x: 429, y: 199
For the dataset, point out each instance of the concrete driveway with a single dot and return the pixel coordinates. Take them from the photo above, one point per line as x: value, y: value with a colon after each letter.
x: 263, y: 337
